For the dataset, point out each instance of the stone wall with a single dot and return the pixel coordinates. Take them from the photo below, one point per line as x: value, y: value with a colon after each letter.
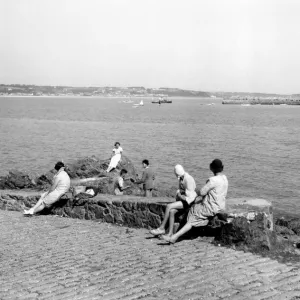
x: 249, y: 222
x: 126, y: 210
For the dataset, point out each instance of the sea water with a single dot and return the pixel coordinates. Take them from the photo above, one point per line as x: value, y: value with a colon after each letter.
x: 259, y: 145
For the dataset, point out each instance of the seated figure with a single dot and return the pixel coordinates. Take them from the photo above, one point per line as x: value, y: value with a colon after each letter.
x: 60, y: 185
x: 115, y: 157
x: 212, y: 201
x: 184, y: 198
x: 119, y: 183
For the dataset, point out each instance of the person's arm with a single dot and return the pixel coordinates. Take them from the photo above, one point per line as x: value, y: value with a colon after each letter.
x: 190, y: 193
x: 54, y: 185
x: 112, y: 154
x: 124, y: 188
x: 206, y: 188
x: 121, y: 185
x: 143, y: 179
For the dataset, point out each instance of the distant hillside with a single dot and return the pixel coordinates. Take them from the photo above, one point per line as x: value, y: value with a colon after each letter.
x: 245, y: 94
x: 34, y: 90
x: 177, y: 92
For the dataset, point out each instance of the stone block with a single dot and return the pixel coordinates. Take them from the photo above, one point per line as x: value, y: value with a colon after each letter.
x: 98, y: 211
x: 252, y: 234
x: 250, y: 208
x: 109, y: 218
x: 157, y: 209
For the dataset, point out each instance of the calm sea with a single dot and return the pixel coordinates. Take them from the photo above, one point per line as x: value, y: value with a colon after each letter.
x: 259, y: 145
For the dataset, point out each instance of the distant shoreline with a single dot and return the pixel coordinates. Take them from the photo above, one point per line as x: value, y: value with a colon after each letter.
x: 79, y: 96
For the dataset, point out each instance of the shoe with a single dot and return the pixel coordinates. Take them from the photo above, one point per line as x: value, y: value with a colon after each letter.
x: 169, y: 239
x: 28, y: 212
x: 157, y: 231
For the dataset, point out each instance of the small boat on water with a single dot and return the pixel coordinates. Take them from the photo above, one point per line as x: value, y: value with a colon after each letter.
x: 161, y: 100
x: 138, y: 104
x: 127, y: 101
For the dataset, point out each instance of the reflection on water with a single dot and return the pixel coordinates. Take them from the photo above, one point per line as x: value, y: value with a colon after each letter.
x: 259, y: 145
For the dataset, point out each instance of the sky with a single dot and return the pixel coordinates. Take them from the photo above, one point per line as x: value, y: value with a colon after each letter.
x: 206, y: 45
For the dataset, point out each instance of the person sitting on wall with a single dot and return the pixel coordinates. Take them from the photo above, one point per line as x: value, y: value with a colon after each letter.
x: 115, y: 157
x: 119, y: 183
x: 185, y: 196
x: 212, y: 201
x: 60, y: 185
x: 147, y: 179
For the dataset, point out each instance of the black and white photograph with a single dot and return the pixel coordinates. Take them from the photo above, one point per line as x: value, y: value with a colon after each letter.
x: 149, y: 150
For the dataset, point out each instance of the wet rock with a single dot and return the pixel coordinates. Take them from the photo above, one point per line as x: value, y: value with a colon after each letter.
x: 17, y: 180
x: 44, y: 181
x: 13, y: 205
x: 285, y: 231
x: 292, y: 224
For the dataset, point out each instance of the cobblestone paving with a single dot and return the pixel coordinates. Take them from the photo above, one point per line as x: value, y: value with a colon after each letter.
x: 48, y: 257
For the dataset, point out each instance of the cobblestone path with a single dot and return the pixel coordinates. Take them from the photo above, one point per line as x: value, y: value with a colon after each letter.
x: 48, y: 257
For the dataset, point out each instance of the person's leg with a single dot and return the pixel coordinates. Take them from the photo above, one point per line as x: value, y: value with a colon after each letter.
x: 148, y: 193
x: 33, y: 209
x: 172, y: 221
x: 161, y: 229
x: 38, y: 208
x: 175, y: 205
x: 172, y: 239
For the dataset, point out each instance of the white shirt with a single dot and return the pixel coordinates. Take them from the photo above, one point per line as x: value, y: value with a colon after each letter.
x: 118, y: 151
x: 62, y: 182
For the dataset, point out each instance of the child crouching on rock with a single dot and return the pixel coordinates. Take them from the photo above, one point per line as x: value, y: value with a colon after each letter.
x: 60, y: 185
x: 185, y: 196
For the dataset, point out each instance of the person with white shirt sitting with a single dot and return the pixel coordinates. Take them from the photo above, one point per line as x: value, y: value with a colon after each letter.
x: 60, y: 185
x: 115, y: 157
x: 185, y: 196
x: 119, y: 183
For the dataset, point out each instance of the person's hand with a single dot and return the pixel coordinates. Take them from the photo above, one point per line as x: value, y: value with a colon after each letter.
x: 198, y: 192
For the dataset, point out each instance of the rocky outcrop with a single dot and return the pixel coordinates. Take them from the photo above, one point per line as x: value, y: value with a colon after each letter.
x: 16, y: 180
x: 88, y: 171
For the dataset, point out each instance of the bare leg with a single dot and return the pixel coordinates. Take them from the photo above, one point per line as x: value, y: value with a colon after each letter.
x: 36, y: 207
x: 172, y: 221
x: 175, y: 205
x: 187, y: 227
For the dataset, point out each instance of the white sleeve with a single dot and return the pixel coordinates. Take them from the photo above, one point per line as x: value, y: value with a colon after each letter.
x: 121, y: 182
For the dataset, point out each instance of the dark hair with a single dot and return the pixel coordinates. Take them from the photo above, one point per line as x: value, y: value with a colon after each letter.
x: 216, y: 166
x: 117, y: 143
x: 146, y: 162
x: 59, y: 165
x: 123, y: 171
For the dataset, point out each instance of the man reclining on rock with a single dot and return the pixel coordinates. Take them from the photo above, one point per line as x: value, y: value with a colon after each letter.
x: 60, y: 185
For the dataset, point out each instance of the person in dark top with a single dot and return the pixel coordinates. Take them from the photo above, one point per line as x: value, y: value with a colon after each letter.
x: 147, y: 179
